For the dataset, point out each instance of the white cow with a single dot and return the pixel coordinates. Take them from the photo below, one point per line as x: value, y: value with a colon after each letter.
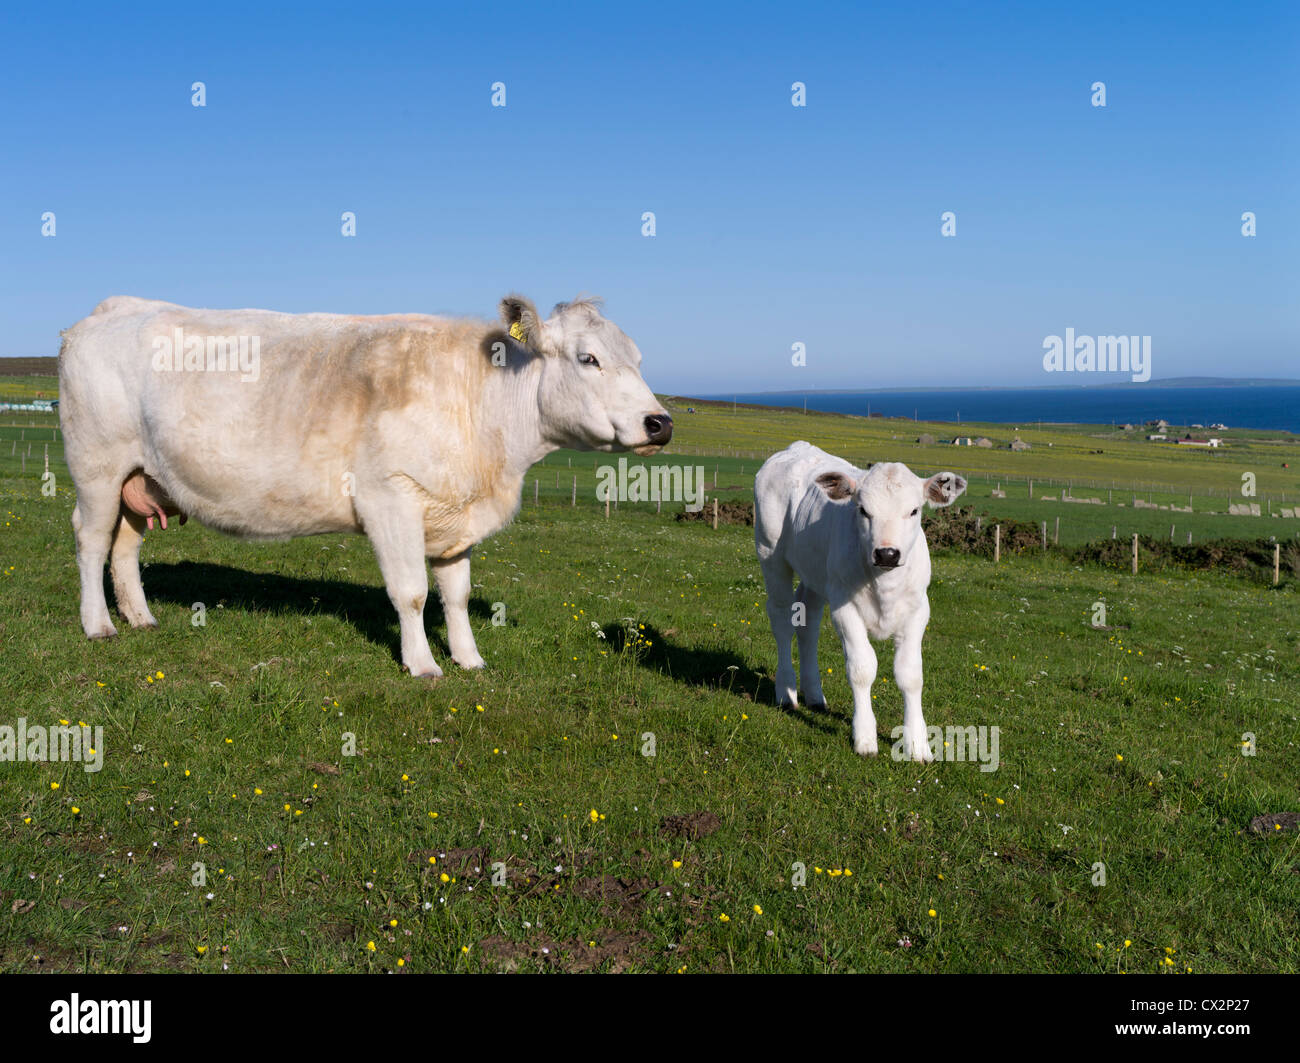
x: 854, y: 539
x: 415, y: 430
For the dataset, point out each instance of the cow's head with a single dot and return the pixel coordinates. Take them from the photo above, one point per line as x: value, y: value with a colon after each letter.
x: 591, y: 396
x: 888, y: 501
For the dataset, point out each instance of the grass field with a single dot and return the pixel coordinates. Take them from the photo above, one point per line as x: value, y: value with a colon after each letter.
x: 225, y: 750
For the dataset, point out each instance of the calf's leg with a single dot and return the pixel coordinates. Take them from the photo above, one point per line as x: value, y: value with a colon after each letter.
x: 779, y: 578
x: 810, y: 680
x: 907, y: 673
x: 860, y: 662
x: 453, y: 587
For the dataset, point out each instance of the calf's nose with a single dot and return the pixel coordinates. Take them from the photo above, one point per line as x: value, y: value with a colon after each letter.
x: 659, y: 428
x: 886, y: 557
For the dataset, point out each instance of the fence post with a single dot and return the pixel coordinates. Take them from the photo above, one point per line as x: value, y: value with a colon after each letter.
x: 1113, y: 530
x: 1135, y: 553
x: 607, y: 507
x: 1277, y: 561
x: 997, y: 543
x: 1056, y: 535
x: 1044, y: 524
x: 715, y: 512
x: 574, y: 500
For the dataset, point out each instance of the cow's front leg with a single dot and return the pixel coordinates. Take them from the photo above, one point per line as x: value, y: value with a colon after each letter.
x: 860, y: 663
x: 453, y: 587
x: 397, y: 533
x: 907, y: 673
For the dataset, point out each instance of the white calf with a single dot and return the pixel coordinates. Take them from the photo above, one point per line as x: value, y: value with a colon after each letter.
x: 854, y: 539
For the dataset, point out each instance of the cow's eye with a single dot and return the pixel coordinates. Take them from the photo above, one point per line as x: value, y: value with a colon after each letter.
x: 588, y: 359
x: 916, y: 511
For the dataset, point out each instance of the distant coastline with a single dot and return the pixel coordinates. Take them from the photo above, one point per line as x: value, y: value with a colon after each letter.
x: 1170, y: 382
x: 1189, y: 404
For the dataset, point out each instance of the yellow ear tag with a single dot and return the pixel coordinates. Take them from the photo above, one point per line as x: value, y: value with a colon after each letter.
x: 517, y: 331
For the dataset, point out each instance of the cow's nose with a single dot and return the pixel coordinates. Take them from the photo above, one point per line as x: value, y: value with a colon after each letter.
x: 659, y: 428
x: 886, y: 557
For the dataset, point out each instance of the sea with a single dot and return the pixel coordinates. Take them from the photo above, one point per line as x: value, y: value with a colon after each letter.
x: 1274, y: 407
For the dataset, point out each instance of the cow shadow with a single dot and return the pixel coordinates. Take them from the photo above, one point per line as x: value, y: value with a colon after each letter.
x: 366, y: 608
x: 712, y: 669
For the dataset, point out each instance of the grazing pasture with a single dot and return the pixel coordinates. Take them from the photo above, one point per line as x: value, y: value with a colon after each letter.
x: 224, y: 746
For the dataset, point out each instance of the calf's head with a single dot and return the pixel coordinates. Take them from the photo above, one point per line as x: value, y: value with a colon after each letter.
x: 591, y: 395
x: 888, y: 500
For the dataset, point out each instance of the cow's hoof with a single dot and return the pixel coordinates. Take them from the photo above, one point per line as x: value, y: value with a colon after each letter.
x: 146, y: 623
x: 106, y: 631
x: 866, y: 749
x: 787, y: 703
x: 471, y: 662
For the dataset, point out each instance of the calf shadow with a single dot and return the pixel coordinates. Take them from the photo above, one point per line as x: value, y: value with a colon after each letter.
x: 364, y: 607
x: 713, y: 669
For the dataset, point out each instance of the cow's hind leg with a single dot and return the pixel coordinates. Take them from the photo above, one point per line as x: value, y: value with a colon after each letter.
x: 779, y: 578
x: 810, y: 680
x: 397, y: 534
x: 453, y: 587
x: 124, y: 563
x: 93, y: 519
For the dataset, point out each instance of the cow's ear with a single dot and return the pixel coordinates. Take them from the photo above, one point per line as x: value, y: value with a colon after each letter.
x: 521, y: 320
x: 942, y: 488
x: 836, y: 485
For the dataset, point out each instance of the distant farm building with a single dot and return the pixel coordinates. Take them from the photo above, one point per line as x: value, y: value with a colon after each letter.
x: 1127, y: 427
x: 984, y: 441
x: 1188, y: 441
x: 1019, y: 444
x: 1160, y: 425
x: 925, y: 439
x: 1157, y: 435
x: 962, y: 441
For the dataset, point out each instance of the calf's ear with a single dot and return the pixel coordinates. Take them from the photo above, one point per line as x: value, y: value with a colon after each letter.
x: 522, y: 321
x: 942, y: 488
x: 836, y: 485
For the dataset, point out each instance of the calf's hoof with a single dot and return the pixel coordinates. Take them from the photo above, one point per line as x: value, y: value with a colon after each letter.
x: 918, y: 749
x: 429, y: 671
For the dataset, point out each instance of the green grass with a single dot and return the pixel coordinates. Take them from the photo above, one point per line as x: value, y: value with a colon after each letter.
x: 298, y: 650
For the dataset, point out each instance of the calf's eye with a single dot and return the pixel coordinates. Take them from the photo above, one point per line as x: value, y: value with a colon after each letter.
x: 916, y: 511
x: 588, y: 359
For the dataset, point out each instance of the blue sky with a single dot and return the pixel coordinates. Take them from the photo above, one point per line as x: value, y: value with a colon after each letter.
x: 775, y: 224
